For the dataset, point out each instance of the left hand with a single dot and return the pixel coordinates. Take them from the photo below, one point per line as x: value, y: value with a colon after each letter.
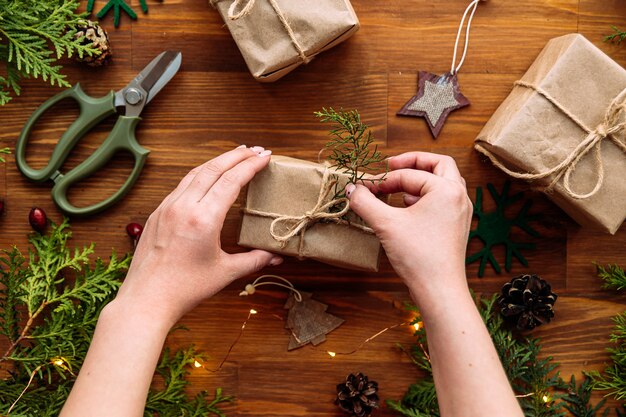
x: 179, y: 260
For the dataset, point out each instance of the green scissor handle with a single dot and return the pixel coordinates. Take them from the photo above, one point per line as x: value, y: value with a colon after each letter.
x: 92, y: 111
x: 121, y: 138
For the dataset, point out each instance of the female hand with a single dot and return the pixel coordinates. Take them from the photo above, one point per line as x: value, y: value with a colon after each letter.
x: 179, y: 260
x: 426, y: 241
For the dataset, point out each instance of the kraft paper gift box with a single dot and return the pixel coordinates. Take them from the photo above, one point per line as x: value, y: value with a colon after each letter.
x: 564, y: 121
x: 276, y: 36
x: 285, y: 193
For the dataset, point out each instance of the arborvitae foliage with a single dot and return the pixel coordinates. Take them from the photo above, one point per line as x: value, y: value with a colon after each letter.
x: 350, y: 145
x: 540, y: 390
x: 34, y: 35
x: 50, y: 301
x: 613, y: 379
x: 577, y: 399
x: 617, y: 36
x: 613, y: 275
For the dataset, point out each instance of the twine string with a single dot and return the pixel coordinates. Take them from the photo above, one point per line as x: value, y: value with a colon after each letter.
x: 292, y: 226
x: 614, y: 122
x: 246, y: 6
x: 472, y: 6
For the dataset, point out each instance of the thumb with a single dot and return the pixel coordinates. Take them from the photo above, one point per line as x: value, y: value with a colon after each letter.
x: 366, y: 205
x: 250, y: 262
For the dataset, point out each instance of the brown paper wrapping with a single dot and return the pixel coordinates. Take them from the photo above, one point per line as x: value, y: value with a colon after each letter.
x: 265, y: 43
x: 529, y: 134
x: 289, y: 186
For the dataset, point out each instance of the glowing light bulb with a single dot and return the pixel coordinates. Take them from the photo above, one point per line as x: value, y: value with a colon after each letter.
x: 253, y: 311
x: 58, y: 362
x: 332, y: 354
x: 197, y: 364
x: 418, y: 325
x: 545, y: 398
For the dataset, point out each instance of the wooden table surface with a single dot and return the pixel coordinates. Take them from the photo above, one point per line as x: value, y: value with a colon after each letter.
x: 213, y: 105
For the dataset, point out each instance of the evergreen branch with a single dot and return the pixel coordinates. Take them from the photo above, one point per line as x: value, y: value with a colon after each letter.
x: 34, y: 35
x: 63, y: 293
x: 541, y: 391
x: 350, y: 146
x: 613, y: 276
x: 172, y: 401
x: 613, y: 379
x: 577, y: 399
x: 617, y: 36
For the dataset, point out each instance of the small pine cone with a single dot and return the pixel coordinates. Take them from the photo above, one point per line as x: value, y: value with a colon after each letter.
x: 527, y: 301
x: 95, y: 35
x: 357, y: 396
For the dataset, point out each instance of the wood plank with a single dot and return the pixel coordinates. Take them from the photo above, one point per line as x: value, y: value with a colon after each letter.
x: 213, y: 105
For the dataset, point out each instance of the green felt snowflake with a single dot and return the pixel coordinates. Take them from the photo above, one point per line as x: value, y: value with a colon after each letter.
x: 116, y: 5
x: 494, y: 228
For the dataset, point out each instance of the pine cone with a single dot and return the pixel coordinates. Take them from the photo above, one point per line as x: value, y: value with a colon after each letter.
x: 95, y: 35
x: 357, y: 395
x: 527, y: 301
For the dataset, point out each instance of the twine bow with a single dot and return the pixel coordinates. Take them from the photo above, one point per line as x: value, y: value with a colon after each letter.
x: 247, y: 7
x: 614, y: 122
x: 285, y: 227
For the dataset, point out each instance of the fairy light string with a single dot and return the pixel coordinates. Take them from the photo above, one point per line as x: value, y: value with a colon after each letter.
x: 279, y: 281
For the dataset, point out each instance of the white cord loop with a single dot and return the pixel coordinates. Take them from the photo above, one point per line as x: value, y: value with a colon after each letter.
x: 472, y: 6
x: 251, y: 288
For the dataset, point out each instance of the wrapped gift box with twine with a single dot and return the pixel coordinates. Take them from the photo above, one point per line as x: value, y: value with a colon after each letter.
x: 276, y: 36
x: 562, y: 128
x: 289, y: 210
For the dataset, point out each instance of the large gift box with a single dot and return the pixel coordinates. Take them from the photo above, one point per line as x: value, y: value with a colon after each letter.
x: 290, y: 209
x: 276, y: 36
x: 562, y: 128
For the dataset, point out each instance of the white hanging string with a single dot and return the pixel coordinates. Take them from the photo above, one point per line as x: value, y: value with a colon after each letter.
x: 472, y: 6
x: 251, y: 288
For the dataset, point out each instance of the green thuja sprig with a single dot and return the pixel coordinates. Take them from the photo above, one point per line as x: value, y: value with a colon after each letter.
x: 172, y: 400
x: 540, y: 390
x: 613, y: 276
x: 613, y: 379
x: 350, y: 146
x: 34, y: 35
x: 50, y: 301
x: 577, y: 399
x: 617, y: 36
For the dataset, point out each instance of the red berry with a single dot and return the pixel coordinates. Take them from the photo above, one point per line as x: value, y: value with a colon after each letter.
x: 38, y: 219
x: 134, y: 230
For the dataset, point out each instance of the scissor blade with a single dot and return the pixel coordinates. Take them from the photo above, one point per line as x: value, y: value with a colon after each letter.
x: 164, y: 70
x: 158, y: 73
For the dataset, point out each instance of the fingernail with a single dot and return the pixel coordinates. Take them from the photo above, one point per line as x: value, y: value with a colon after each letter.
x: 240, y: 147
x: 257, y: 149
x: 264, y: 153
x: 350, y: 189
x: 276, y: 260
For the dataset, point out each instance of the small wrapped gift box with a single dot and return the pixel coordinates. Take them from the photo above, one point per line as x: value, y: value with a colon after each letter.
x: 562, y: 127
x: 289, y: 210
x: 276, y: 36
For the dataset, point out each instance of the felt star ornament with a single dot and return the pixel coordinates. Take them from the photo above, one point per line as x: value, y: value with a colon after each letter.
x: 437, y: 96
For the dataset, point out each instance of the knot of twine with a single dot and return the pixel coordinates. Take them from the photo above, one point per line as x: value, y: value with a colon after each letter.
x: 248, y: 5
x: 614, y: 122
x: 292, y: 226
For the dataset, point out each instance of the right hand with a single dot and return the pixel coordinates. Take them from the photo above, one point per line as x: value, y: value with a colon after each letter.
x: 426, y: 241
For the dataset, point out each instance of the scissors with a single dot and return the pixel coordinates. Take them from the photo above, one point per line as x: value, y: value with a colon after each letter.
x: 131, y: 100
